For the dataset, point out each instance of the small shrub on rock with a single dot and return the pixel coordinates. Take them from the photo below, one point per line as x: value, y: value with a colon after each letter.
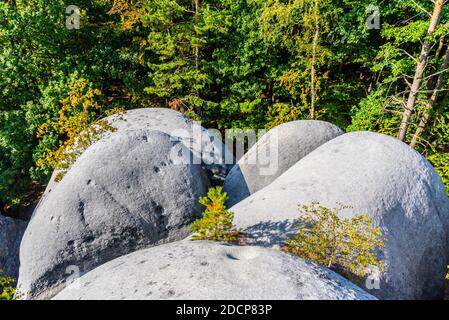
x: 7, y: 288
x: 348, y: 246
x: 216, y: 223
x: 78, y: 125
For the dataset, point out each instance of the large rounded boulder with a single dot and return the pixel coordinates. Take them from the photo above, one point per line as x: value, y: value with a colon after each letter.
x: 11, y: 232
x: 204, y: 146
x: 275, y: 152
x: 376, y: 175
x: 208, y: 270
x: 125, y: 192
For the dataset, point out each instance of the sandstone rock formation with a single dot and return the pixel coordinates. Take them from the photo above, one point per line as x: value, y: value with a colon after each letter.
x: 207, y: 270
x: 124, y: 193
x: 277, y: 150
x: 376, y: 175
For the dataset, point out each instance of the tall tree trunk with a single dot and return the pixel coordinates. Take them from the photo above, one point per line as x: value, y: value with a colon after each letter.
x: 313, y: 88
x: 440, y: 47
x: 2, y: 208
x: 432, y: 101
x: 419, y: 73
x: 197, y: 49
x: 433, y: 80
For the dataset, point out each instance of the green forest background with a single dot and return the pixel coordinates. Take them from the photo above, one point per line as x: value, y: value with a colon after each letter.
x: 228, y: 63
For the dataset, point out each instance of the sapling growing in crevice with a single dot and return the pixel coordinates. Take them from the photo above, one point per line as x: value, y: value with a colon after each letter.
x: 216, y: 223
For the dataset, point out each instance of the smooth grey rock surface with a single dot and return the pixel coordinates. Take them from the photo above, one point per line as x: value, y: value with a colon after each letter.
x: 11, y: 232
x: 376, y: 175
x: 206, y: 270
x: 206, y: 145
x: 284, y: 145
x: 51, y: 185
x: 123, y: 193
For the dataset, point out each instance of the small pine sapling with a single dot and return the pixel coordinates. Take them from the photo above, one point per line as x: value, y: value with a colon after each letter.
x: 216, y: 223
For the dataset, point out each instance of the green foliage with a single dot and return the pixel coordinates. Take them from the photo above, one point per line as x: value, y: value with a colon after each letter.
x: 39, y: 60
x: 393, y: 67
x: 216, y: 223
x: 349, y: 246
x: 229, y: 63
x: 173, y: 38
x: 440, y: 161
x: 279, y: 26
x: 376, y: 114
x: 78, y: 126
x: 7, y: 288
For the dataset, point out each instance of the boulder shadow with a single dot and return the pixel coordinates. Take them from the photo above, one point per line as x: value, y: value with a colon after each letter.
x: 270, y: 233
